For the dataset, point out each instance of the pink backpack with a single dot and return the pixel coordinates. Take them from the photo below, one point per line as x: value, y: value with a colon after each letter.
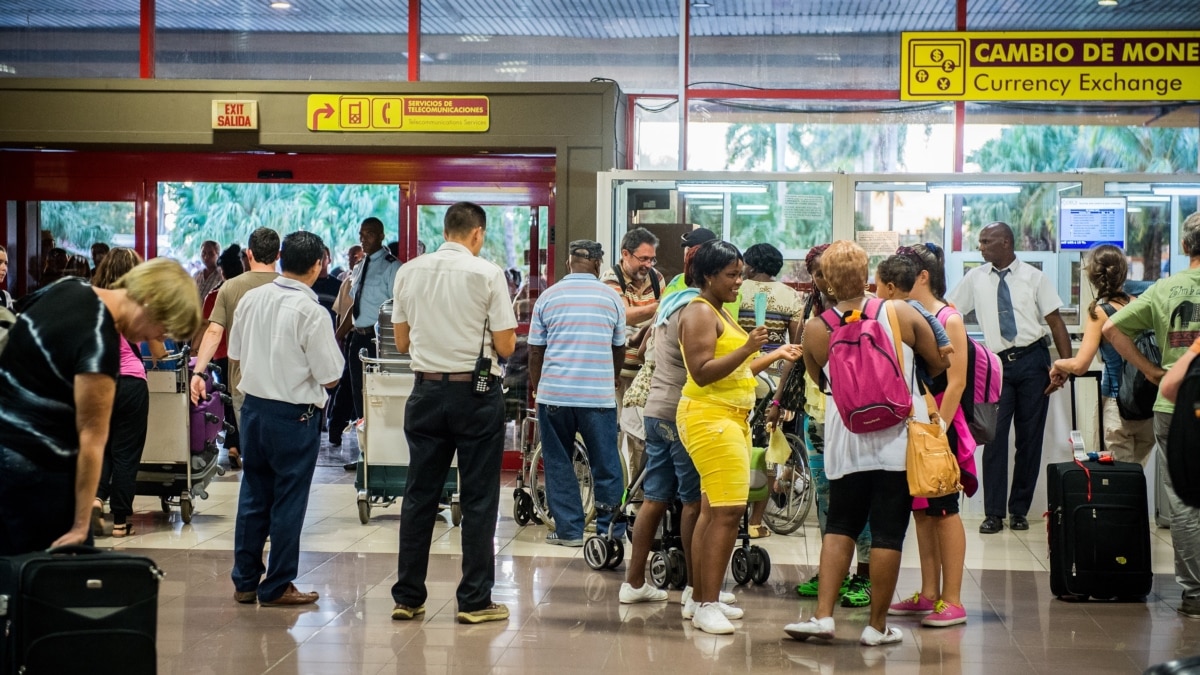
x: 866, y: 376
x: 981, y: 399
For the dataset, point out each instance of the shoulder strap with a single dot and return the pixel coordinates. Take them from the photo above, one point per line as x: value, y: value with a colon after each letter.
x: 1109, y: 310
x: 871, y: 308
x: 831, y: 318
x: 620, y: 277
x: 654, y: 283
x: 894, y: 321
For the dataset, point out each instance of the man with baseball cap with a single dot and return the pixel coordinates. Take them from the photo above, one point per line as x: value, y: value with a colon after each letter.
x: 576, y: 351
x: 690, y: 242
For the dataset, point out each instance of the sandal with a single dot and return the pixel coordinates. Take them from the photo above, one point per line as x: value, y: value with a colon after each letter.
x: 235, y: 458
x: 759, y: 531
x: 97, y: 518
x: 123, y: 530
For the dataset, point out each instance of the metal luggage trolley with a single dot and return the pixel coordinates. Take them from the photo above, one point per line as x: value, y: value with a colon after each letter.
x: 383, y: 470
x: 168, y: 469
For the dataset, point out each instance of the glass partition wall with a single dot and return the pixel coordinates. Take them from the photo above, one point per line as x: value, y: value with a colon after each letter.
x: 883, y: 211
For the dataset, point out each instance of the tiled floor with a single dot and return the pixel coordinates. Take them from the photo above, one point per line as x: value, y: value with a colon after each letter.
x: 566, y: 618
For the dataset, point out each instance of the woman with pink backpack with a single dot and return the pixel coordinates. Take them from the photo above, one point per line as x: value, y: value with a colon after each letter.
x: 863, y: 351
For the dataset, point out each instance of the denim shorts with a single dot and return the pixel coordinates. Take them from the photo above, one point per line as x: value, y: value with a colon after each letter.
x: 669, y: 469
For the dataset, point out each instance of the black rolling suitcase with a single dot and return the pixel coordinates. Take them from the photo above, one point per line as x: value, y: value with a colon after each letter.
x: 76, y: 609
x: 1099, y: 530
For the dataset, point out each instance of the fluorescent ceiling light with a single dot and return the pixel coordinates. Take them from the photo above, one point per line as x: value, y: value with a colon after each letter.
x: 755, y: 188
x: 1148, y: 198
x: 704, y: 195
x: 1134, y: 209
x: 752, y: 208
x: 711, y: 207
x: 281, y: 4
x: 1178, y: 190
x: 976, y: 189
x: 1107, y: 3
x: 875, y: 186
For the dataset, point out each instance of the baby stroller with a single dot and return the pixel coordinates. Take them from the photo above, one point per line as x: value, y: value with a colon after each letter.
x: 668, y: 566
x: 789, y: 503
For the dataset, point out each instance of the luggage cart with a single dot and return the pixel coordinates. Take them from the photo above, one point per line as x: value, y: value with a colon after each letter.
x: 383, y: 467
x: 169, y: 470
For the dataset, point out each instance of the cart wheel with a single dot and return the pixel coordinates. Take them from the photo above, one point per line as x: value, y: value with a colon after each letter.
x: 364, y: 511
x: 660, y: 569
x: 616, y: 554
x: 185, y: 509
x: 595, y: 552
x: 456, y: 514
x: 741, y: 566
x: 678, y: 575
x: 760, y: 565
x: 166, y: 505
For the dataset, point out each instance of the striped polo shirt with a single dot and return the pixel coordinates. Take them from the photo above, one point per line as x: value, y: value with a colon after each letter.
x: 578, y: 320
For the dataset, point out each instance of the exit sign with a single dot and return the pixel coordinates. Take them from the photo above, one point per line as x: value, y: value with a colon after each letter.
x: 235, y: 114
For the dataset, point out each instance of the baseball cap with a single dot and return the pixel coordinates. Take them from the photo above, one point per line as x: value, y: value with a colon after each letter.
x: 586, y: 248
x: 696, y: 237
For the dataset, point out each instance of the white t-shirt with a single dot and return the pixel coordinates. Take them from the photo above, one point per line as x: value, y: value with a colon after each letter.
x: 886, y: 449
x: 284, y: 340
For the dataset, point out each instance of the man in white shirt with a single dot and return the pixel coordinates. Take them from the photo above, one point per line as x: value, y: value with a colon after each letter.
x: 452, y: 315
x: 284, y: 339
x: 1010, y: 298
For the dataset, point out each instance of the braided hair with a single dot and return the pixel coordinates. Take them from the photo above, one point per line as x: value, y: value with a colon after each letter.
x: 1106, y: 269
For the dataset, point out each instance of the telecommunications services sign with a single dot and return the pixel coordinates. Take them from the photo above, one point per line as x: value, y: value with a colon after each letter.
x: 357, y: 112
x: 1076, y: 66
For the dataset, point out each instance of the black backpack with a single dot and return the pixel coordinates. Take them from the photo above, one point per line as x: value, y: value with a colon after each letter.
x: 1183, y: 440
x: 1136, y: 397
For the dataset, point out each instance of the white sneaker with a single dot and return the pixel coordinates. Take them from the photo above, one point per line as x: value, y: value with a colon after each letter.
x: 689, y: 608
x: 646, y: 593
x: 814, y: 627
x: 730, y: 612
x: 710, y: 619
x: 872, y: 637
x: 724, y: 596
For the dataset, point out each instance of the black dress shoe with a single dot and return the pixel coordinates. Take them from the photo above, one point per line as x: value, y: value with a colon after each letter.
x: 1018, y: 523
x: 992, y: 525
x: 350, y: 466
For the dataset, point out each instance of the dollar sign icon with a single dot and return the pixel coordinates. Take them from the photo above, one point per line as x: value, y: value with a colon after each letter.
x: 937, y: 55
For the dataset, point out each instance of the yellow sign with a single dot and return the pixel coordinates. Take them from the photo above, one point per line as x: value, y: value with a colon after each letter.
x: 1133, y: 66
x: 353, y: 112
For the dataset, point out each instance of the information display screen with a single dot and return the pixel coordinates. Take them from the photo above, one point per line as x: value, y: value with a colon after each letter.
x: 1084, y: 222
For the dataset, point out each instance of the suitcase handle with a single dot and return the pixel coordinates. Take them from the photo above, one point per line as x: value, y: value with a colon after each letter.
x: 74, y: 549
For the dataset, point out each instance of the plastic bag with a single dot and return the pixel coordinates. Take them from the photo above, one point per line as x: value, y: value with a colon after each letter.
x: 778, y: 450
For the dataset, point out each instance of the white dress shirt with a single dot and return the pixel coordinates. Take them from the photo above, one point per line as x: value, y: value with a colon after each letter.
x: 445, y: 298
x: 1033, y: 297
x: 283, y: 338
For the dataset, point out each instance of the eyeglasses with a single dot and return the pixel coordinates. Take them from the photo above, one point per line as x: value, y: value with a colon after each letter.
x: 645, y: 259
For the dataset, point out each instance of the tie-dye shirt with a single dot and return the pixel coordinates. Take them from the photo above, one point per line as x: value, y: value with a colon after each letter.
x: 63, y: 330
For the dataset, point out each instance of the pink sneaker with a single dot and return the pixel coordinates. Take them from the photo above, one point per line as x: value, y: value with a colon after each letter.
x: 944, y: 614
x: 917, y: 604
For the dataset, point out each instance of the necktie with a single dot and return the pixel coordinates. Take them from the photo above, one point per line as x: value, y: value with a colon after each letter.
x: 1004, y: 307
x: 362, y: 281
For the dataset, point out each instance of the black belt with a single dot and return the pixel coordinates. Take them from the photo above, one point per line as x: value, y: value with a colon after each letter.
x: 1010, y: 355
x: 444, y: 377
x: 370, y: 331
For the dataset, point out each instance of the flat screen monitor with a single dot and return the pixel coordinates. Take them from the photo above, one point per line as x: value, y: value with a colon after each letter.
x: 1084, y: 222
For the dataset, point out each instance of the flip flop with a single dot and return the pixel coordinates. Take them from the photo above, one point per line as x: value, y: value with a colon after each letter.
x: 759, y: 532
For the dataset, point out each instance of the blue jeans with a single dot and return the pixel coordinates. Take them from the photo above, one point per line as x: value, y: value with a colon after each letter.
x: 670, y: 472
x: 282, y: 443
x: 598, y: 427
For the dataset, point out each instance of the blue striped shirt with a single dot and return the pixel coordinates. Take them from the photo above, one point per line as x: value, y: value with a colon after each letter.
x: 578, y: 320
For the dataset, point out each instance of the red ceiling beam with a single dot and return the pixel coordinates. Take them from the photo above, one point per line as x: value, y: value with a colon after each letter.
x: 797, y: 94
